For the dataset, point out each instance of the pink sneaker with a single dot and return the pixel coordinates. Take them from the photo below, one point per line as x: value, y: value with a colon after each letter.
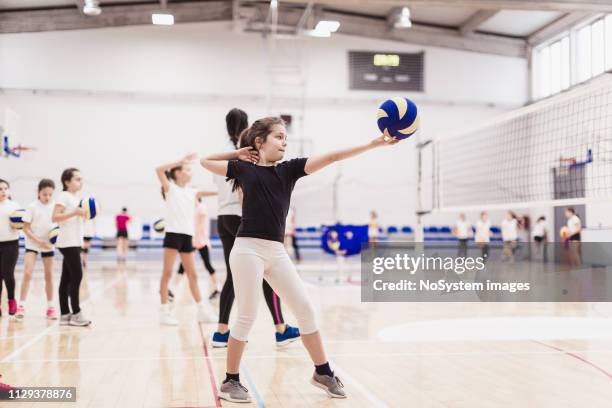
x: 20, y: 312
x: 12, y: 303
x: 51, y: 313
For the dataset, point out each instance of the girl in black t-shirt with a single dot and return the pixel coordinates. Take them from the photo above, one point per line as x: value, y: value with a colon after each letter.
x: 259, y: 253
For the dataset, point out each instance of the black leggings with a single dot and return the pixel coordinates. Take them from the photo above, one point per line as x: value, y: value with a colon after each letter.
x: 205, y: 254
x: 70, y: 282
x: 227, y: 226
x: 9, y: 252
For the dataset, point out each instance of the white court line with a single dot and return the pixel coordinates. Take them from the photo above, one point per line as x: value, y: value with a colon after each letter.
x: 43, y: 333
x: 376, y: 402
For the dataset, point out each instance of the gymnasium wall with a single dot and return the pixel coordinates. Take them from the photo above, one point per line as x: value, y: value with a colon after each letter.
x: 117, y: 102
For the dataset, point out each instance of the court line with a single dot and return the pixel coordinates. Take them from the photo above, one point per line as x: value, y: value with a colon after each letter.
x: 43, y: 333
x: 211, y: 374
x: 305, y: 356
x: 377, y: 402
x: 576, y: 356
x: 247, y: 374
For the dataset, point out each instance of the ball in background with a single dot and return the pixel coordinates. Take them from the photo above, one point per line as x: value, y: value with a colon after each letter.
x: 564, y: 233
x: 398, y: 118
x: 16, y: 219
x: 53, y: 235
x: 159, y: 225
x: 91, y: 206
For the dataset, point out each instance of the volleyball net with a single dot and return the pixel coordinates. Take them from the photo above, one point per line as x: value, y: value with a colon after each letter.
x: 553, y: 152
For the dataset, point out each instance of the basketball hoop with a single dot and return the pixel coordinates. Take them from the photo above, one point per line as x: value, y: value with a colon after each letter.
x: 565, y: 163
x: 16, y: 151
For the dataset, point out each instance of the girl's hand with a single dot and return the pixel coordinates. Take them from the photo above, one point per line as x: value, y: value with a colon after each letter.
x: 189, y: 158
x: 79, y: 212
x: 44, y: 245
x: 383, y: 140
x: 248, y: 154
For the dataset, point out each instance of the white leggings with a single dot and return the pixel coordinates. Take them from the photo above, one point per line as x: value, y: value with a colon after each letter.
x: 252, y: 260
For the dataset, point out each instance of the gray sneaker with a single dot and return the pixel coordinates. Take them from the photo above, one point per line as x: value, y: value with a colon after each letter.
x: 65, y: 320
x: 79, y: 320
x: 233, y: 391
x: 332, y: 385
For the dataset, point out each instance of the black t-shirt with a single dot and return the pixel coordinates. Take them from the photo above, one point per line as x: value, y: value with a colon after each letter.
x: 266, y: 196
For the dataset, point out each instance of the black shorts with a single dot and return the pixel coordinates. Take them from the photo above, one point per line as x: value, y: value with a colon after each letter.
x: 48, y: 254
x: 180, y: 242
x: 575, y: 237
x: 122, y: 234
x: 87, y: 239
x: 538, y: 239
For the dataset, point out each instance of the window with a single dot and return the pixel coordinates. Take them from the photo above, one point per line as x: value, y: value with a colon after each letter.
x: 608, y: 41
x: 597, y: 48
x: 583, y: 53
x: 576, y: 57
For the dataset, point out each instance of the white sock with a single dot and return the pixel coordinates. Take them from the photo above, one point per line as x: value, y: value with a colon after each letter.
x: 165, y: 307
x: 22, y: 303
x: 49, y: 304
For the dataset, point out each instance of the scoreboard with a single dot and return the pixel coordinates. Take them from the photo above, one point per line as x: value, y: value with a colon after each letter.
x: 386, y: 71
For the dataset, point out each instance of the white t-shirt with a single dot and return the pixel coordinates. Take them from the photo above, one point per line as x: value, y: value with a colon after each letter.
x: 289, y: 226
x: 39, y: 216
x: 229, y: 201
x: 539, y: 229
x: 509, y: 230
x: 7, y: 233
x: 463, y: 229
x: 89, y: 228
x: 71, y: 230
x: 483, y: 231
x: 574, y: 224
x: 180, y: 209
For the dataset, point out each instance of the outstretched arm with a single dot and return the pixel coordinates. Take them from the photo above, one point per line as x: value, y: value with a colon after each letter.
x: 316, y: 163
x: 202, y: 194
x: 217, y: 163
x: 161, y: 170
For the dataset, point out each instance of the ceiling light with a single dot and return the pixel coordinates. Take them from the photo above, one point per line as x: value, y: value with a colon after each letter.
x: 162, y: 19
x: 400, y: 17
x: 327, y: 26
x: 92, y: 8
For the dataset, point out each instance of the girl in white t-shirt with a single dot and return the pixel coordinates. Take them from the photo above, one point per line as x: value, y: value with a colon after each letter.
x: 180, y: 200
x: 509, y: 227
x: 483, y: 234
x: 37, y: 224
x: 573, y: 224
x: 69, y: 216
x: 9, y: 246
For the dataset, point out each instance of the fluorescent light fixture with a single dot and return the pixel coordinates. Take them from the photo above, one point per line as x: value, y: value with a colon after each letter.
x: 162, y: 19
x: 92, y: 8
x: 274, y: 3
x: 327, y: 26
x: 400, y: 17
x: 319, y: 33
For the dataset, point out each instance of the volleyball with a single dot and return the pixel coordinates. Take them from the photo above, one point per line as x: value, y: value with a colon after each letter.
x: 16, y: 219
x: 53, y: 235
x: 398, y: 118
x: 564, y: 233
x: 91, y: 206
x: 159, y: 225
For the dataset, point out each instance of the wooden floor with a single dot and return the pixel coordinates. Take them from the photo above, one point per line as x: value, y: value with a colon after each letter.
x: 397, y: 355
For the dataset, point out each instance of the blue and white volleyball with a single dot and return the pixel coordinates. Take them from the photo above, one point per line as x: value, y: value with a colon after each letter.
x: 16, y: 219
x: 91, y: 207
x: 53, y: 235
x: 398, y: 118
x: 159, y: 225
